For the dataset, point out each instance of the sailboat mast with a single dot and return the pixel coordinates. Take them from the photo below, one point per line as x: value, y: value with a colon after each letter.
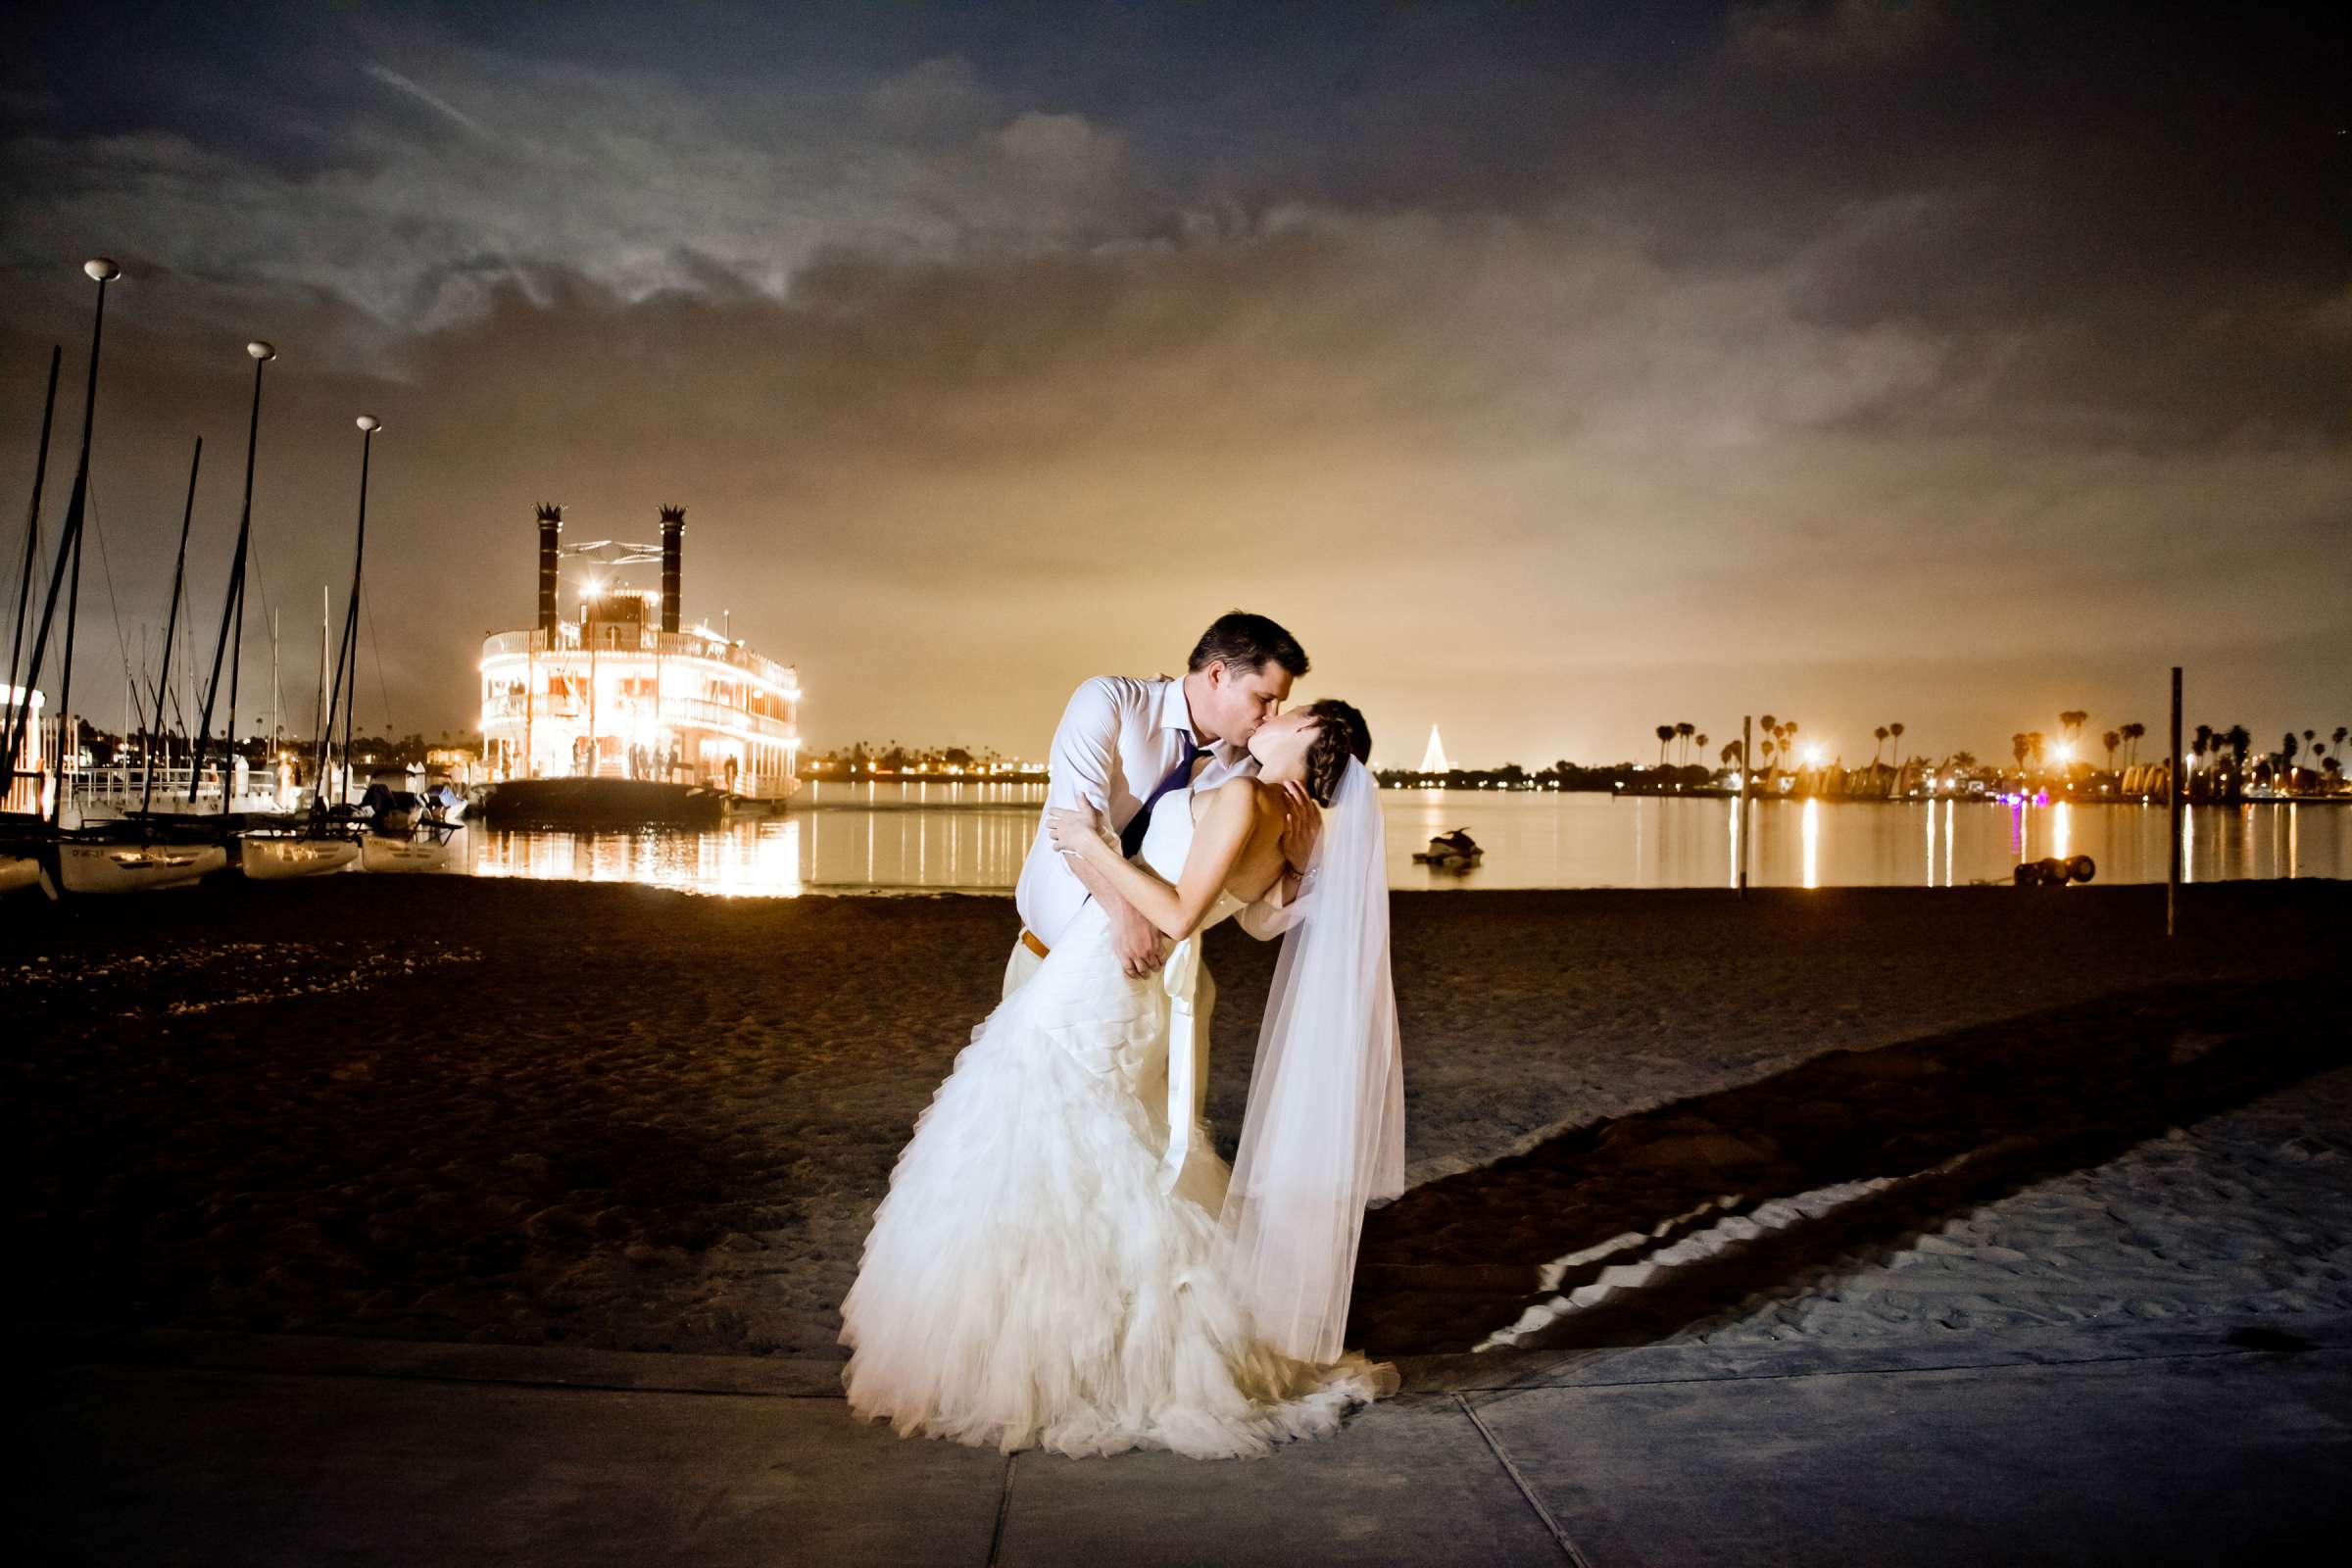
x: 101, y: 272
x: 369, y: 424
x: 180, y: 573
x: 262, y: 354
x: 32, y: 532
x: 232, y: 613
x: 318, y: 709
x: 69, y: 557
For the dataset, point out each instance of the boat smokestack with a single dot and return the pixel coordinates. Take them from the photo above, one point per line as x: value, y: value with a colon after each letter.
x: 674, y: 529
x: 551, y: 524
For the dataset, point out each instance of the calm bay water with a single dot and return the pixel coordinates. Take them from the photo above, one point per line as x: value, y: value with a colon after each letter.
x: 892, y: 838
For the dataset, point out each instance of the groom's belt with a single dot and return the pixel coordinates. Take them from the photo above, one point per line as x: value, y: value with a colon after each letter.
x: 1029, y: 941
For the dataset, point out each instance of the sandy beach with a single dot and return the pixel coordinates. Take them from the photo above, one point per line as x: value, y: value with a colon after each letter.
x: 611, y: 1116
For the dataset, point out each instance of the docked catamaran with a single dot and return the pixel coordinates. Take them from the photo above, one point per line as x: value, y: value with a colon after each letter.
x: 625, y: 715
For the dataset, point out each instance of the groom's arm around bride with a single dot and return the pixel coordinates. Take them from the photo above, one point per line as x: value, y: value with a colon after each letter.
x: 1086, y: 753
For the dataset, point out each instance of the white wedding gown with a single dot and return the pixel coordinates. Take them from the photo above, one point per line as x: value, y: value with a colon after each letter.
x: 1027, y: 1282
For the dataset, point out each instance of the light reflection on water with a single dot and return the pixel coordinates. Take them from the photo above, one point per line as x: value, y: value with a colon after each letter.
x: 974, y: 837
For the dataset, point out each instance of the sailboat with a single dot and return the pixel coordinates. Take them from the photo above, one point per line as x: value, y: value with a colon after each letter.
x: 421, y: 851
x: 114, y: 857
x: 395, y: 833
x: 19, y: 866
x: 130, y: 866
x: 270, y: 855
x: 329, y: 840
x: 106, y: 860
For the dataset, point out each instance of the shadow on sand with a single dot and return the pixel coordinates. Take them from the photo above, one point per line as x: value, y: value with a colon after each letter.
x: 1942, y: 1124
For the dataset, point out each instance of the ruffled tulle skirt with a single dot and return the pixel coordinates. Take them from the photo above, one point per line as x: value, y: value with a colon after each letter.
x: 1027, y: 1284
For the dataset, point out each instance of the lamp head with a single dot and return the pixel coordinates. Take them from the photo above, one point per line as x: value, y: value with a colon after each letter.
x: 368, y: 422
x: 102, y: 268
x: 261, y: 350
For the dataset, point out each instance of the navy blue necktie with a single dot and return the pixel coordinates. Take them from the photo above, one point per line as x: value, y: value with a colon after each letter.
x: 1130, y: 837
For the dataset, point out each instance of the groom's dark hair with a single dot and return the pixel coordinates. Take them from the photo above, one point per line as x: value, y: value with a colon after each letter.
x: 1246, y: 642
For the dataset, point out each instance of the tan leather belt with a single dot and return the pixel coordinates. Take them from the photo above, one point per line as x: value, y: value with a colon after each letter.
x: 1029, y: 941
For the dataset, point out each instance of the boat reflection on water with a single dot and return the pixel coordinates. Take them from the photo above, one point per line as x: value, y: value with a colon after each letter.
x: 839, y: 838
x: 972, y: 837
x: 760, y: 860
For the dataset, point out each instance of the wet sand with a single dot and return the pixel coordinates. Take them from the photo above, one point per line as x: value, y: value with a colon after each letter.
x: 613, y: 1116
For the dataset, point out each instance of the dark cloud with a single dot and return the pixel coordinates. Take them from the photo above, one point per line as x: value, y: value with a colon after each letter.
x: 1546, y: 367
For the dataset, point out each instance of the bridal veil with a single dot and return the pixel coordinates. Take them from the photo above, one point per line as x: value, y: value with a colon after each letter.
x: 1324, y: 1132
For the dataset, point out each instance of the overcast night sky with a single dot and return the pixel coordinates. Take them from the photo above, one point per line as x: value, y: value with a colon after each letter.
x: 1552, y: 370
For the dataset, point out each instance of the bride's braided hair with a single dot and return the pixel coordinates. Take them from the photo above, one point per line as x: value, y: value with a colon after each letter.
x: 1339, y: 734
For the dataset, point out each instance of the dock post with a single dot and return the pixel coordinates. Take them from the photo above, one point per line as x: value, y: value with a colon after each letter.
x: 2178, y: 792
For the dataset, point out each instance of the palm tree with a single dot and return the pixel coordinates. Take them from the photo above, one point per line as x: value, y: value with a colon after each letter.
x: 2132, y: 733
x: 2035, y: 741
x: 2111, y: 740
x: 1897, y: 730
x: 2018, y: 747
x: 1683, y: 732
x: 2241, y: 740
x: 2072, y: 721
x: 1881, y: 733
x: 2338, y: 737
x: 1699, y: 745
x: 1730, y: 753
x: 1665, y: 733
x: 2287, y: 748
x: 1961, y: 760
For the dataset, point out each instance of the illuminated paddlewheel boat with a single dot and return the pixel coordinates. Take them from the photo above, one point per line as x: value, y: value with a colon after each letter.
x: 623, y: 716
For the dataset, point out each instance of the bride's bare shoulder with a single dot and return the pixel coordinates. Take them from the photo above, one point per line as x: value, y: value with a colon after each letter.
x: 1253, y: 797
x: 1241, y: 796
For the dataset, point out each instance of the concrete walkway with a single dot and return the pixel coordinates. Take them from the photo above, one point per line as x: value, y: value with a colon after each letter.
x: 2192, y: 1443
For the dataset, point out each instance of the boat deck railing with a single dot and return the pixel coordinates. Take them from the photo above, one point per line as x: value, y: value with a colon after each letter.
x: 690, y: 712
x: 125, y: 786
x: 618, y: 640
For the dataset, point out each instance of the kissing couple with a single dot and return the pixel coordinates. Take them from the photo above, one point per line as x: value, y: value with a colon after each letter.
x: 1062, y: 1260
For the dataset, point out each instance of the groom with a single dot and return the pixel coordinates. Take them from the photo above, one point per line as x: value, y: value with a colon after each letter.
x: 1122, y: 743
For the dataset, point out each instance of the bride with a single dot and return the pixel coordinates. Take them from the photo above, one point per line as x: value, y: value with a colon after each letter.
x: 1061, y: 1259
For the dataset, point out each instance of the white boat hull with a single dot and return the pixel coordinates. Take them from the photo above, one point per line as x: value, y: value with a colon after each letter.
x: 137, y: 867
x: 276, y: 859
x: 403, y: 855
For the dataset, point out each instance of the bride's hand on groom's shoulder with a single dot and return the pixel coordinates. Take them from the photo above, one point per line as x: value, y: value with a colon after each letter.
x: 1072, y: 830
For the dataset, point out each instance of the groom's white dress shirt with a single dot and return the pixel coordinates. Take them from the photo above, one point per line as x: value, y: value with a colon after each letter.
x: 1117, y: 739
